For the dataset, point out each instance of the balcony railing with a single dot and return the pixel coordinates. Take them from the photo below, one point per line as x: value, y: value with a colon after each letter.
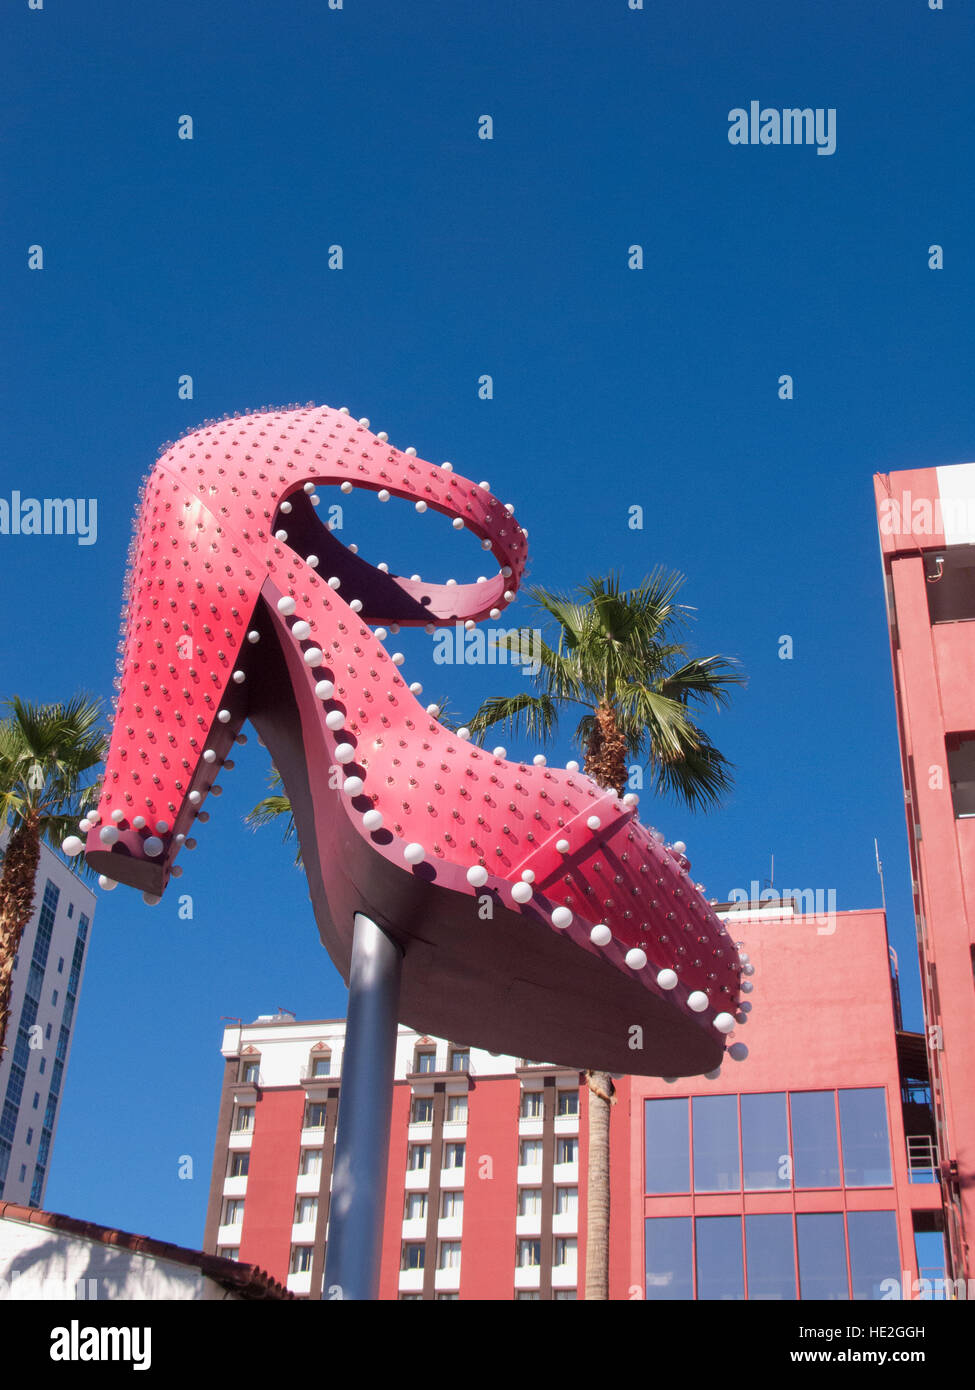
x: 922, y: 1158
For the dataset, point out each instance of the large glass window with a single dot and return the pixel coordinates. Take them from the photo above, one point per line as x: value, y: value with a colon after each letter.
x: 567, y: 1103
x: 815, y: 1158
x: 771, y: 1255
x: 720, y: 1274
x: 874, y: 1252
x: 421, y: 1112
x: 566, y: 1201
x: 310, y: 1162
x: 668, y: 1258
x: 457, y: 1109
x: 667, y: 1146
x: 716, y: 1167
x: 765, y: 1141
x: 866, y: 1147
x: 567, y: 1150
x: 531, y: 1105
x: 822, y: 1255
x: 418, y: 1157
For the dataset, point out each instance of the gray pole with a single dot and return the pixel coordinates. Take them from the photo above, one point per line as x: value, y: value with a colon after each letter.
x: 358, y: 1200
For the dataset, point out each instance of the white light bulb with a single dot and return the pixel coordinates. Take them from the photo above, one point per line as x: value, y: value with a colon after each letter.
x: 72, y: 846
x: 344, y: 753
x: 373, y: 820
x: 301, y: 630
x: 477, y: 876
x: 335, y: 720
x: 313, y: 656
x: 153, y: 846
x: 522, y: 892
x: 108, y: 834
x: 352, y: 786
x: 601, y: 935
x: 698, y: 1001
x: 286, y: 605
x: 636, y: 959
x: 562, y: 918
x: 414, y: 853
x: 106, y: 884
x: 667, y: 979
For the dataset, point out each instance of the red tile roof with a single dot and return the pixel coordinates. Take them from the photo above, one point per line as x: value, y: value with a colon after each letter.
x: 244, y: 1280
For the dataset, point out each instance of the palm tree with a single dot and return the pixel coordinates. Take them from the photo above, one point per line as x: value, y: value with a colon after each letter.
x: 46, y: 754
x: 271, y: 808
x: 617, y: 657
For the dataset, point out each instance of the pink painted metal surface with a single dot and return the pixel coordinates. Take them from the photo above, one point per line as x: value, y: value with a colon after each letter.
x: 213, y: 640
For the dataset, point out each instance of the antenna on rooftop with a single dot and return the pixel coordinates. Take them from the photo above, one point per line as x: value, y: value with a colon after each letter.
x: 880, y: 871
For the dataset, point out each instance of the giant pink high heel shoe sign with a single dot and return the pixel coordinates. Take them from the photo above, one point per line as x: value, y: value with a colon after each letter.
x: 244, y: 606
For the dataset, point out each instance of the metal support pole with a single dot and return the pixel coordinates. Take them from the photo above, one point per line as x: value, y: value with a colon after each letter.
x: 358, y: 1200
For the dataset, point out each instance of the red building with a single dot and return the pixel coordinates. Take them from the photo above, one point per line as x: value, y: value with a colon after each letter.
x: 786, y: 1175
x: 927, y: 538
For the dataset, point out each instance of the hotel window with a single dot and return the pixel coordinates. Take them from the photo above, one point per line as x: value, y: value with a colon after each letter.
x: 960, y: 749
x: 529, y: 1254
x: 448, y: 1297
x: 418, y: 1157
x: 425, y: 1060
x: 233, y: 1211
x: 566, y: 1150
x: 457, y: 1109
x: 565, y: 1295
x: 527, y: 1296
x: 460, y: 1060
x: 239, y: 1165
x: 822, y: 1255
x: 530, y: 1201
x: 321, y: 1064
x: 568, y: 1103
x: 306, y: 1209
x: 531, y: 1105
x: 314, y: 1115
x: 453, y: 1155
x: 250, y: 1071
x: 566, y: 1250
x: 449, y: 1254
x: 815, y: 1156
x: 452, y: 1206
x: 951, y: 584
x: 414, y: 1255
x: 243, y: 1119
x: 310, y: 1163
x: 411, y: 1298
x: 668, y: 1258
x: 770, y: 1245
x: 720, y: 1273
x: 765, y: 1141
x: 566, y: 1201
x: 301, y: 1258
x: 61, y: 966
x: 874, y: 1253
x: 715, y: 1120
x: 229, y: 1252
x: 530, y: 1153
x: 863, y: 1130
x: 421, y: 1112
x: 416, y: 1206
x: 667, y: 1146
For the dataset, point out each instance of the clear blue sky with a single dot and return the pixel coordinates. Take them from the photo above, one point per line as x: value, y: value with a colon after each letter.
x: 612, y: 387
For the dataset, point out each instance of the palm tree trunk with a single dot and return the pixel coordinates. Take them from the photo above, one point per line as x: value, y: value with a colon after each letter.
x: 16, y: 905
x: 606, y: 753
x: 597, y: 1212
x: 605, y: 764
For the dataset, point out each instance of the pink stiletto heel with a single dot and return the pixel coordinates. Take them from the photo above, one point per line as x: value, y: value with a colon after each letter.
x: 596, y: 928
